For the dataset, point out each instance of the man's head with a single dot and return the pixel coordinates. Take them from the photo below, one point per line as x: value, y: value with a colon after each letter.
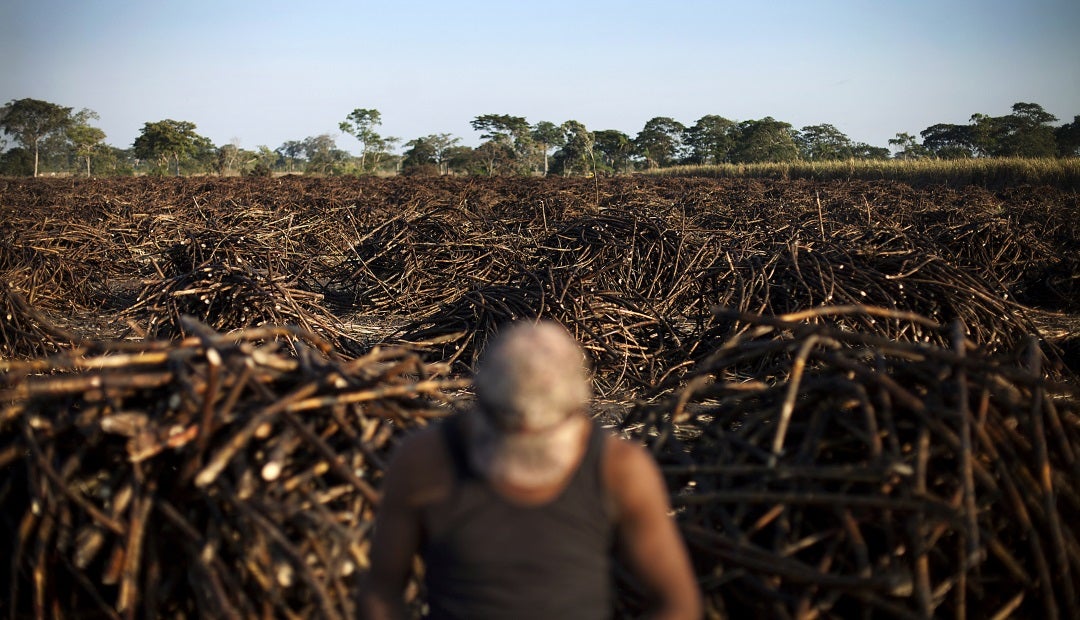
x: 532, y: 377
x: 532, y: 384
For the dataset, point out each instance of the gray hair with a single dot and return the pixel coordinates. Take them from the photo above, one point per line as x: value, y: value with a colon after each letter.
x: 532, y: 376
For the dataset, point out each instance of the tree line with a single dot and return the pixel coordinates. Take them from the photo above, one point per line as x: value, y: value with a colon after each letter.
x: 47, y: 137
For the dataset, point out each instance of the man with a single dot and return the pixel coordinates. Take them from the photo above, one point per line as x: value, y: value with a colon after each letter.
x: 516, y: 506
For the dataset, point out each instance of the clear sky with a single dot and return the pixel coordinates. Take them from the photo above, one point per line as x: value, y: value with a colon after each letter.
x: 265, y: 72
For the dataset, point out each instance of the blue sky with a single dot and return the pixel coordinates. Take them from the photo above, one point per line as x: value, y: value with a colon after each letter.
x: 266, y: 72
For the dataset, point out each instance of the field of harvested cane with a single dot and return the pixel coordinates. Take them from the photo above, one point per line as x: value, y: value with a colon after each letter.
x: 864, y: 396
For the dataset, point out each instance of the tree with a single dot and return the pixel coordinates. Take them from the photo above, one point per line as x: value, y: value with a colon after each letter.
x: 1028, y: 132
x: 764, y: 140
x: 461, y: 159
x: 430, y: 149
x: 419, y: 155
x: 510, y: 141
x: 907, y: 147
x: 31, y: 120
x: 1024, y: 133
x: 112, y: 161
x: 502, y: 128
x: 16, y: 162
x: 291, y: 152
x: 710, y: 140
x: 322, y: 154
x: 493, y: 156
x: 169, y: 140
x: 361, y: 123
x: 949, y: 141
x: 547, y: 135
x: 265, y: 161
x: 614, y: 148
x: 230, y: 156
x: 660, y: 141
x: 862, y: 150
x: 1068, y: 138
x: 378, y: 149
x: 576, y: 154
x: 822, y: 143
x: 987, y: 133
x: 444, y: 143
x: 85, y: 140
x: 1031, y: 114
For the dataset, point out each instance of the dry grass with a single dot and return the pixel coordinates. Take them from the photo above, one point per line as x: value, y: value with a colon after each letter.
x: 986, y: 172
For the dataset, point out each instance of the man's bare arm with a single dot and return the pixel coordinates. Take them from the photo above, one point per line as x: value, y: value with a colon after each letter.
x: 656, y: 550
x: 396, y: 537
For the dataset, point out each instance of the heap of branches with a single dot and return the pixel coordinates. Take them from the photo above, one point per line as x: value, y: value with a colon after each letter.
x: 1022, y: 241
x: 636, y: 285
x: 23, y: 331
x: 868, y: 426
x: 229, y: 297
x: 821, y: 471
x: 410, y: 263
x: 213, y: 476
x: 667, y: 249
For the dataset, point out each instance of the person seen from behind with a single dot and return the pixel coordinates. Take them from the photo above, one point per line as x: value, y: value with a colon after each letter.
x: 515, y: 506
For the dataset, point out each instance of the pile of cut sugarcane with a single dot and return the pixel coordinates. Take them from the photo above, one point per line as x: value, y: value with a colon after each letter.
x: 863, y: 395
x: 212, y: 476
x: 821, y: 471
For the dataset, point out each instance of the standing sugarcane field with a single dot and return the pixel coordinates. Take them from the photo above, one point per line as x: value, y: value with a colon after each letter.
x: 863, y: 394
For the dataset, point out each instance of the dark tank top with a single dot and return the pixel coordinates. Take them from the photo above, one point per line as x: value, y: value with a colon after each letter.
x: 488, y: 557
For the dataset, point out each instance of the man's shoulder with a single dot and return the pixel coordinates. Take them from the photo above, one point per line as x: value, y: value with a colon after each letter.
x: 631, y: 476
x: 624, y: 457
x: 422, y: 448
x: 422, y: 465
